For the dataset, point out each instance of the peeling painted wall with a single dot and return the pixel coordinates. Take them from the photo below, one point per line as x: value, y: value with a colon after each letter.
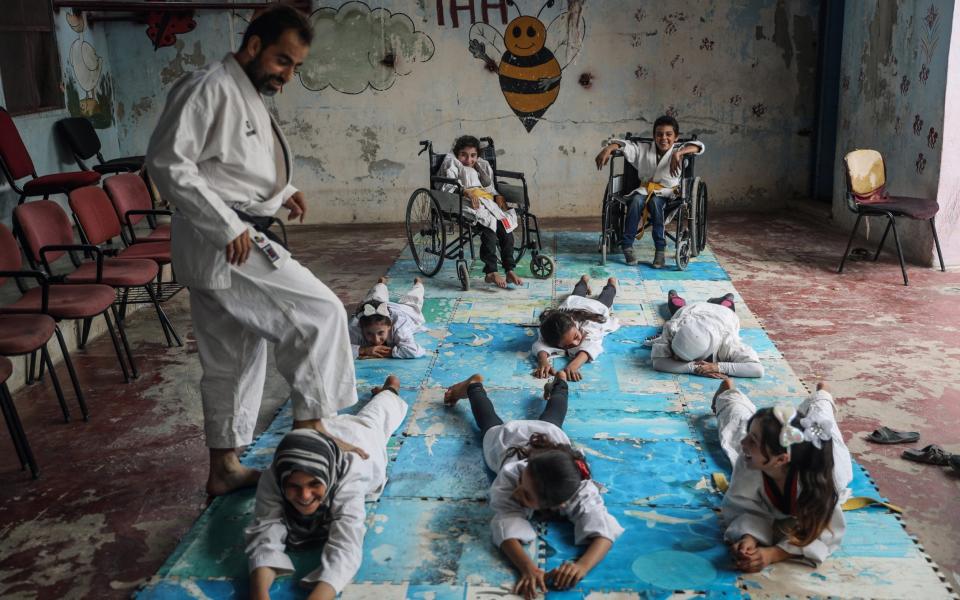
x: 893, y: 80
x: 741, y: 75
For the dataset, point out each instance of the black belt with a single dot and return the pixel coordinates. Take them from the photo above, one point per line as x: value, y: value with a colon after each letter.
x: 261, y: 224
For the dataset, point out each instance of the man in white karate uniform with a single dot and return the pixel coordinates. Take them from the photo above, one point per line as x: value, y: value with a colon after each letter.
x: 219, y: 158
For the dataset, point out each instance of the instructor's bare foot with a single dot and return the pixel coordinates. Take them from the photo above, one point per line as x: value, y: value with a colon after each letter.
x: 496, y: 279
x: 392, y: 381
x: 458, y: 391
x: 585, y: 279
x: 227, y: 474
x: 512, y: 278
x: 613, y: 281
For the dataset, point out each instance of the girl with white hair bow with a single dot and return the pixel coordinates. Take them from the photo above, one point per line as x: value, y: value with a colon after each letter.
x: 703, y: 338
x: 791, y: 470
x: 384, y: 329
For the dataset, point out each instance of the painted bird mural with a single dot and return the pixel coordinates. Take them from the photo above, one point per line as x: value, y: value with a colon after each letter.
x: 87, y: 64
x: 529, y: 69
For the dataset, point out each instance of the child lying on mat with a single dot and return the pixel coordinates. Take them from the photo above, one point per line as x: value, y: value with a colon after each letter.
x: 313, y: 493
x: 791, y: 470
x: 538, y: 470
x: 703, y: 338
x: 576, y: 328
x: 384, y: 329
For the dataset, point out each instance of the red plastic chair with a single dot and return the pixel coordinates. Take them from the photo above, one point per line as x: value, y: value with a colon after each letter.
x: 62, y: 300
x: 17, y: 164
x: 17, y: 434
x: 132, y: 203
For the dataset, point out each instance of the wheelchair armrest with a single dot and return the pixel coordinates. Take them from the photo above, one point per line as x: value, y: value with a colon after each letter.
x: 511, y: 174
x: 69, y: 248
x: 40, y: 277
x: 451, y: 181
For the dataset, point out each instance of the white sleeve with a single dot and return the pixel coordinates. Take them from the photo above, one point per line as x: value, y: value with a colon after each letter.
x: 589, y: 516
x: 591, y: 345
x: 698, y: 144
x: 540, y: 346
x: 510, y: 520
x: 407, y: 347
x: 356, y: 337
x: 742, y: 508
x: 740, y: 360
x: 343, y: 551
x: 451, y: 172
x: 631, y: 150
x: 267, y: 537
x: 826, y: 544
x: 288, y: 191
x: 172, y: 155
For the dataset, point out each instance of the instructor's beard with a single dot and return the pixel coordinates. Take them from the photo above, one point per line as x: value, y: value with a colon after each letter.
x: 260, y: 78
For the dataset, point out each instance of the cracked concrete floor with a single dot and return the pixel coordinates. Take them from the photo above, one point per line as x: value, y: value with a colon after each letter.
x: 116, y: 493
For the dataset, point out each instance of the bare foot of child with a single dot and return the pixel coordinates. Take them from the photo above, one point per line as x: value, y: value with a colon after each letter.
x: 417, y: 280
x: 496, y: 279
x: 585, y: 279
x: 384, y: 280
x: 613, y: 281
x: 458, y: 391
x: 392, y: 382
x: 548, y: 386
x: 512, y: 278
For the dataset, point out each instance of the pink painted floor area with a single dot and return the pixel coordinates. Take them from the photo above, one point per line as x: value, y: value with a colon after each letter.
x: 117, y: 493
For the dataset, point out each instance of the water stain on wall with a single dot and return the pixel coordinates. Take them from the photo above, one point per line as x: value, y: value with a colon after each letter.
x: 781, y: 32
x: 177, y: 66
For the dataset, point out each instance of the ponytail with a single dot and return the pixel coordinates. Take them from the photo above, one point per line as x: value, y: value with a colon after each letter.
x: 557, y: 469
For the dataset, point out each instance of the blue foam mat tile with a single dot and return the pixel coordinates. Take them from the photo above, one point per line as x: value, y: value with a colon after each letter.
x: 758, y: 339
x: 438, y: 467
x: 778, y: 381
x: 430, y: 542
x: 501, y: 352
x: 597, y: 424
x: 662, y: 550
x: 662, y: 473
x: 875, y: 534
x: 633, y: 403
x: 411, y: 371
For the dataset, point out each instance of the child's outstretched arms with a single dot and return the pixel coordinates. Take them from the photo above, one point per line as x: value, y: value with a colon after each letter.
x: 569, y: 574
x: 532, y: 578
x: 544, y: 366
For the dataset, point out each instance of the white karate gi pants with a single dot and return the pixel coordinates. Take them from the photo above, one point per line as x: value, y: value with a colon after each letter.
x: 413, y: 298
x: 290, y: 308
x: 734, y: 410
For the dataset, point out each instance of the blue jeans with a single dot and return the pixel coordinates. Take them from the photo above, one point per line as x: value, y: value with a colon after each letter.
x: 632, y: 222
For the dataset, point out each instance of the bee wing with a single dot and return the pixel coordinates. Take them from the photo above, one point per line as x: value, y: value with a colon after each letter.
x: 486, y: 43
x: 565, y: 36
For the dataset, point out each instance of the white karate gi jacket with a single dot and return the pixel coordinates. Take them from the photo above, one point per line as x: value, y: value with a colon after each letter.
x: 213, y: 150
x: 511, y: 519
x: 593, y: 332
x: 643, y: 157
x: 731, y: 354
x: 364, y: 480
x: 407, y: 321
x: 746, y: 509
x: 489, y: 214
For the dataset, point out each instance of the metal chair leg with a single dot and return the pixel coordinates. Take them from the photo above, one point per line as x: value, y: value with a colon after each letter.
x: 34, y: 470
x: 126, y: 345
x: 936, y: 240
x: 6, y: 406
x: 116, y: 346
x: 882, y: 240
x: 164, y: 321
x: 72, y: 372
x: 32, y: 368
x: 846, y: 252
x: 45, y: 357
x: 896, y: 237
x: 85, y: 333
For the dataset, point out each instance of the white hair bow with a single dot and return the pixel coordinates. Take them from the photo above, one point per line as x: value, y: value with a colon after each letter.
x: 815, y: 432
x: 382, y: 310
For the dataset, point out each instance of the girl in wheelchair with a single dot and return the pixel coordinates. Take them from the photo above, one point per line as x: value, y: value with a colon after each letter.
x: 384, y: 329
x: 659, y: 166
x: 495, y: 219
x: 576, y: 329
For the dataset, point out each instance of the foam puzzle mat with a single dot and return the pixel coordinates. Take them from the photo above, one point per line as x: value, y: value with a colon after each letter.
x: 649, y: 437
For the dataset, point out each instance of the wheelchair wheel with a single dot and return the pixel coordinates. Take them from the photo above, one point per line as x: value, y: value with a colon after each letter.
x: 425, y: 232
x: 541, y: 266
x: 683, y: 251
x: 463, y: 274
x: 604, y: 242
x: 701, y: 213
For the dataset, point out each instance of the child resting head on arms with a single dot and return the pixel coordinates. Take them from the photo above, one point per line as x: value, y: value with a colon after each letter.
x: 384, y: 329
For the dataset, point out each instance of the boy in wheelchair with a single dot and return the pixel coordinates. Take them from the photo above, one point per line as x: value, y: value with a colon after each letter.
x: 659, y: 166
x: 495, y: 218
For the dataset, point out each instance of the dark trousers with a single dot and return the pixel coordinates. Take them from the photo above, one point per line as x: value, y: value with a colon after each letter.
x: 607, y: 294
x: 489, y: 241
x: 487, y: 417
x: 676, y: 303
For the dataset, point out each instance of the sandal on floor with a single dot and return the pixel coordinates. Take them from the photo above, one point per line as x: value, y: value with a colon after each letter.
x: 885, y: 435
x: 931, y: 455
x: 955, y: 462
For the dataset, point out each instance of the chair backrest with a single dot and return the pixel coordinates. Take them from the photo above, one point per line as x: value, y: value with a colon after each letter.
x: 42, y: 223
x: 80, y: 136
x: 16, y: 159
x: 128, y: 192
x: 865, y: 172
x: 10, y: 259
x: 95, y: 214
x: 488, y: 152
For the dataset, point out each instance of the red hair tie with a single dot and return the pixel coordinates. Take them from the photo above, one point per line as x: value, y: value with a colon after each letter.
x: 582, y: 467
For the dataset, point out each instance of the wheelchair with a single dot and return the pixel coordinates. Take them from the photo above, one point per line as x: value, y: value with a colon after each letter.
x: 688, y: 210
x: 433, y: 216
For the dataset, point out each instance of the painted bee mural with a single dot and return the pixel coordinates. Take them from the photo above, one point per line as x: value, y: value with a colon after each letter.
x: 532, y: 57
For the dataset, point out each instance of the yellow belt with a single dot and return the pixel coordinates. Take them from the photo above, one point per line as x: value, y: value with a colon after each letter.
x: 650, y: 187
x: 476, y: 192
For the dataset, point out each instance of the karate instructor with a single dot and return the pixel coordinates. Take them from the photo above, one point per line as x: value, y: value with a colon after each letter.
x: 219, y: 158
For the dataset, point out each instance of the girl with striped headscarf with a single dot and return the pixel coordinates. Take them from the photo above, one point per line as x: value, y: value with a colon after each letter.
x: 314, y: 493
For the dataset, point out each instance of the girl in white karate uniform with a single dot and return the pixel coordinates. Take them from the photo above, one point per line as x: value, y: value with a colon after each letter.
x: 384, y: 329
x: 315, y: 493
x: 703, y: 338
x: 576, y: 329
x: 538, y: 470
x: 791, y: 470
x: 494, y: 219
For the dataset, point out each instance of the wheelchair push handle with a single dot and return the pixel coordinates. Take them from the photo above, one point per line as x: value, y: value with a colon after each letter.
x: 424, y: 146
